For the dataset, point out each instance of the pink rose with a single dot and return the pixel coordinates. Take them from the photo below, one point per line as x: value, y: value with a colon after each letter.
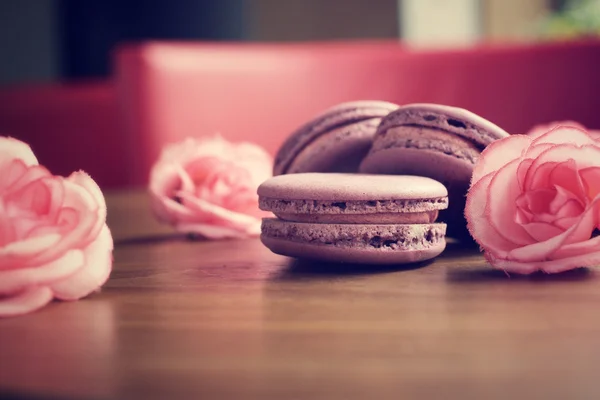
x: 534, y: 203
x: 539, y: 130
x: 208, y: 187
x: 54, y: 242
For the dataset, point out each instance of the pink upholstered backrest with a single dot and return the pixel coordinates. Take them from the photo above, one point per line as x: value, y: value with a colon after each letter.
x: 70, y: 127
x: 262, y: 92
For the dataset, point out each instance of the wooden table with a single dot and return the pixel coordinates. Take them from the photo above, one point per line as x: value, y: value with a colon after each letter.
x: 228, y: 319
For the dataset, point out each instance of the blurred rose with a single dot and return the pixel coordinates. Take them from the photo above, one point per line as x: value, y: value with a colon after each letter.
x: 54, y: 242
x: 534, y: 203
x: 539, y: 130
x: 208, y: 187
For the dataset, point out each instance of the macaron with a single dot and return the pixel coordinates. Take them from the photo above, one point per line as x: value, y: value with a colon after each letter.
x: 354, y: 218
x: 334, y: 141
x: 435, y: 141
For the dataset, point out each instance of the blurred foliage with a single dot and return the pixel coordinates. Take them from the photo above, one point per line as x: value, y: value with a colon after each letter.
x: 576, y: 19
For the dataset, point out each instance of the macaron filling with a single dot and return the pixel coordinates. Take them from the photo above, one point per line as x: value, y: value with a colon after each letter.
x: 297, y: 206
x: 382, y: 237
x: 425, y: 138
x: 375, y: 218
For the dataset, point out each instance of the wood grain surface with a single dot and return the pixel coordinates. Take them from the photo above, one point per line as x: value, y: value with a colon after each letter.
x: 230, y: 320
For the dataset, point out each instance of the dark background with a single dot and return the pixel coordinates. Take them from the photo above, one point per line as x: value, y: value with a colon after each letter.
x: 50, y: 40
x: 88, y: 30
x: 57, y: 40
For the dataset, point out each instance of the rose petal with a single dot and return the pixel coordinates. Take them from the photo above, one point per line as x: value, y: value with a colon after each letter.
x: 578, y: 232
x: 164, y: 179
x: 16, y: 183
x: 510, y: 266
x: 65, y: 221
x: 561, y: 197
x: 542, y: 231
x: 551, y: 266
x: 25, y: 302
x: 86, y: 182
x: 523, y: 216
x: 576, y: 249
x: 477, y: 223
x: 193, y: 148
x: 591, y: 181
x: 7, y: 230
x: 13, y: 171
x: 498, y: 154
x: 34, y: 197
x: 500, y: 211
x: 565, y: 135
x: 13, y: 149
x: 200, y: 169
x: 541, y: 129
x: 57, y: 199
x: 565, y: 175
x: 87, y: 229
x: 186, y: 181
x: 568, y: 209
x: 16, y: 254
x: 522, y: 172
x: 565, y: 222
x: 170, y: 211
x: 585, y: 157
x: 95, y: 272
x: 82, y: 179
x: 595, y: 134
x: 536, y: 202
x: 207, y: 212
x: 534, y: 151
x: 15, y: 280
x: 539, y: 178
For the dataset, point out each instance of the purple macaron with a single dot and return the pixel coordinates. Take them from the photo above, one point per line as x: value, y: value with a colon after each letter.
x: 435, y: 141
x: 354, y: 218
x: 334, y: 141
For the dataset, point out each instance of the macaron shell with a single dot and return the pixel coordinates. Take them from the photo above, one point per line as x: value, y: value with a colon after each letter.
x: 351, y: 187
x: 418, y: 137
x: 450, y: 119
x: 334, y: 117
x: 364, y: 243
x: 452, y: 172
x: 339, y: 150
x: 350, y: 255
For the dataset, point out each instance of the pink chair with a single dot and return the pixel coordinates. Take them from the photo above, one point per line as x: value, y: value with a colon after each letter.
x: 261, y: 92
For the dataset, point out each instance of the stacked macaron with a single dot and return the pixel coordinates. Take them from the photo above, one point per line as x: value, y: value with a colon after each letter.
x: 334, y: 141
x: 439, y: 142
x: 376, y: 219
x: 364, y: 182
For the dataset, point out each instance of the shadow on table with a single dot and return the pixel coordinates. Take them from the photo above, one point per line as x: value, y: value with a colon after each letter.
x: 455, y: 249
x: 309, y: 269
x: 485, y: 275
x: 161, y: 238
x: 14, y: 395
